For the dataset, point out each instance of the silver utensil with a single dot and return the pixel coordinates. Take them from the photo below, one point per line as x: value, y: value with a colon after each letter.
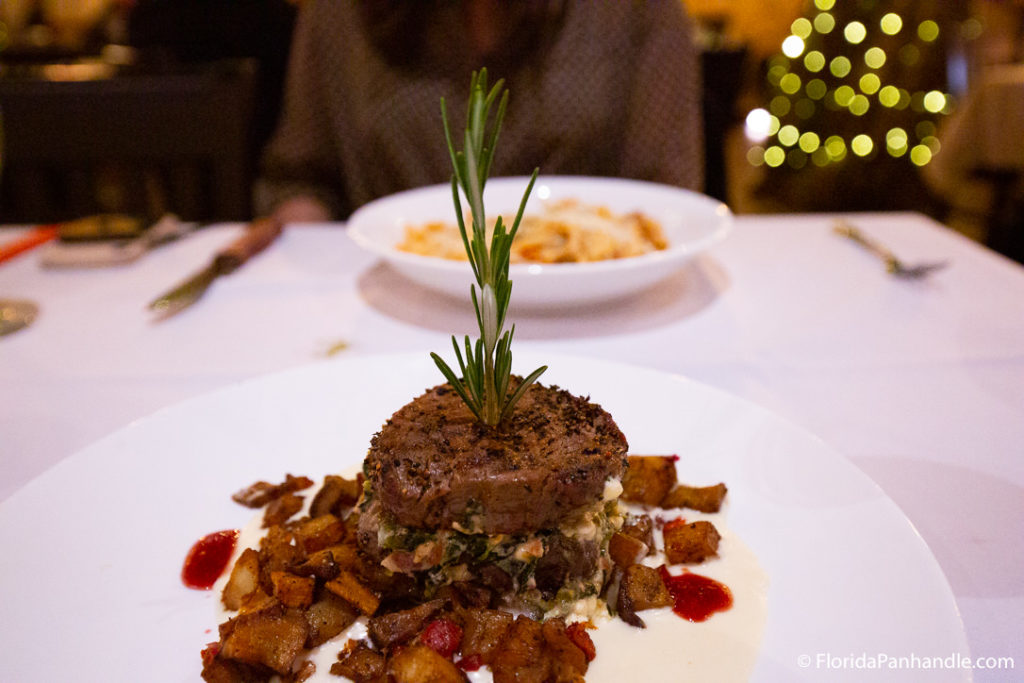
x: 892, y: 264
x: 258, y: 235
x: 16, y: 314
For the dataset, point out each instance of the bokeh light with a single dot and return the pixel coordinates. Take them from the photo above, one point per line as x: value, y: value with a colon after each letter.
x: 809, y: 141
x: 855, y: 32
x: 790, y: 84
x: 801, y: 28
x: 920, y: 155
x: 840, y: 66
x: 862, y: 145
x: 775, y: 156
x: 804, y: 108
x: 875, y: 57
x: 836, y: 148
x: 859, y: 105
x: 928, y: 31
x: 824, y: 23
x: 869, y: 84
x: 788, y: 135
x: 934, y: 101
x: 824, y: 5
x: 814, y: 61
x: 889, y: 96
x: 793, y: 46
x: 891, y: 24
x: 816, y: 88
x: 844, y: 95
x: 780, y: 105
x: 758, y: 125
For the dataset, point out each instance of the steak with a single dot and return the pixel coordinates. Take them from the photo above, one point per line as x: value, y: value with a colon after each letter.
x: 434, y: 466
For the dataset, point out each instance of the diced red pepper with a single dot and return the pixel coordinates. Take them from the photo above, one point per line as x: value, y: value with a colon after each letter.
x: 443, y: 636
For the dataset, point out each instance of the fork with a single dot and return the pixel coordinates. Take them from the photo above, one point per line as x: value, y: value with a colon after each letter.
x: 892, y: 263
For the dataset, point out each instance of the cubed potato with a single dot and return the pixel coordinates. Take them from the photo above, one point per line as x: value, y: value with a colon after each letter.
x: 402, y: 626
x: 483, y: 631
x: 319, y: 532
x: 690, y: 543
x: 640, y: 527
x: 626, y: 550
x: 327, y: 617
x: 261, y: 493
x: 641, y: 588
x: 420, y: 664
x: 520, y: 656
x: 336, y: 496
x: 348, y: 587
x: 567, y: 662
x: 281, y: 509
x: 293, y: 591
x: 702, y: 498
x: 648, y: 479
x: 244, y: 579
x: 360, y: 663
x: 271, y: 637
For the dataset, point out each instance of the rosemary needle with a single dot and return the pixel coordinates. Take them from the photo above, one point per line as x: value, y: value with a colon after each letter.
x: 485, y: 365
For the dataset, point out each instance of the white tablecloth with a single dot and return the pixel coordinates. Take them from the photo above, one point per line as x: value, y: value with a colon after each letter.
x: 920, y: 384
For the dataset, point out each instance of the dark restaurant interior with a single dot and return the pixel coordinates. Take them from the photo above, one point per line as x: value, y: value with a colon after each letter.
x: 262, y: 417
x: 150, y: 106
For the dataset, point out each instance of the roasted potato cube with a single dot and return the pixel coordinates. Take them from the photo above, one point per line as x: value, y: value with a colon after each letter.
x: 648, y: 479
x: 626, y: 550
x: 261, y: 493
x: 319, y: 532
x: 534, y: 651
x: 420, y: 664
x: 690, y: 543
x: 641, y: 588
x: 327, y: 617
x: 402, y: 626
x: 272, y: 637
x: 640, y: 527
x: 336, y: 496
x: 244, y: 579
x: 347, y: 587
x: 360, y: 663
x: 291, y: 590
x: 702, y: 498
x: 281, y: 509
x: 483, y: 631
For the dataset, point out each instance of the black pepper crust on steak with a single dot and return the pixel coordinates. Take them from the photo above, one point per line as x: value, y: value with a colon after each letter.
x: 433, y: 464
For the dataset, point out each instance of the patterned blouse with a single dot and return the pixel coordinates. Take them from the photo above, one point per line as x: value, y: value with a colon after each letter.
x: 612, y: 88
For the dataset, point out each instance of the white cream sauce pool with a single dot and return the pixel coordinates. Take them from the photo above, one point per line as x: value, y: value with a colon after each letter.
x: 723, y: 648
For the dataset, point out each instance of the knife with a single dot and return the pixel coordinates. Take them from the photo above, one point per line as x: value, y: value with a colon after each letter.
x: 258, y: 235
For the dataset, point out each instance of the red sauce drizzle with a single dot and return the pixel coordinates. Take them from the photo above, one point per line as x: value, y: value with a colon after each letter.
x: 696, y: 597
x: 208, y: 559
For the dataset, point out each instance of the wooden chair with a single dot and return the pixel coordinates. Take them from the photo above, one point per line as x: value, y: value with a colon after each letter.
x: 129, y: 142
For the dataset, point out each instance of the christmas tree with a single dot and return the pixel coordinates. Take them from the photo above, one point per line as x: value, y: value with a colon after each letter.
x: 853, y: 104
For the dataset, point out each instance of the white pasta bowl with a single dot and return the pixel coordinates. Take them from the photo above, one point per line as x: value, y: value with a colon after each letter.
x: 691, y: 223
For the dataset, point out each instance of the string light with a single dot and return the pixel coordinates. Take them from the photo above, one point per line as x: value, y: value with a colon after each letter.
x: 814, y: 87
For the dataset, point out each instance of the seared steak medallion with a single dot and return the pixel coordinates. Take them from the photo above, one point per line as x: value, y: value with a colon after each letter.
x: 433, y: 466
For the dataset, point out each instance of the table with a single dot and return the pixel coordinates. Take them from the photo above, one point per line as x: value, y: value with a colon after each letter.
x: 920, y: 384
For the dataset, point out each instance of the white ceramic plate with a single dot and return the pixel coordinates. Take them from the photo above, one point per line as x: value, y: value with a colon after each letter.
x: 92, y: 550
x: 692, y: 222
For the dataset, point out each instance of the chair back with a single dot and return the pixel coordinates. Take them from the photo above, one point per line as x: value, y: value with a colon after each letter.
x: 129, y: 142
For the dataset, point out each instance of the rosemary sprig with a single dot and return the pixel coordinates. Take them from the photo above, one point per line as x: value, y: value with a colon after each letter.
x: 486, y: 366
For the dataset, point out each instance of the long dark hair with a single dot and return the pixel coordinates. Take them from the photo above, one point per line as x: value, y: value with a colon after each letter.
x: 398, y: 29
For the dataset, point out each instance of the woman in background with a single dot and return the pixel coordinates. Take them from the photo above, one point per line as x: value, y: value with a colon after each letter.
x: 606, y: 89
